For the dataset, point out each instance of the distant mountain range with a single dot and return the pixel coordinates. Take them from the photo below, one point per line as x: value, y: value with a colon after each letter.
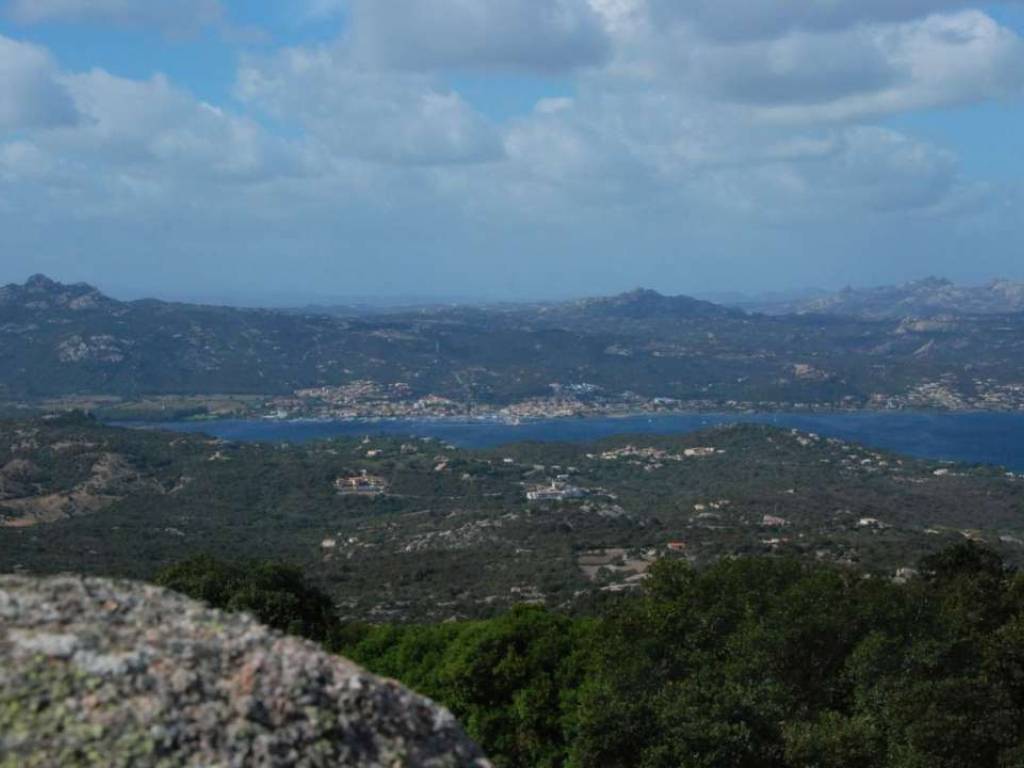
x: 861, y: 348
x: 643, y: 303
x: 922, y: 298
x: 58, y: 340
x: 638, y: 304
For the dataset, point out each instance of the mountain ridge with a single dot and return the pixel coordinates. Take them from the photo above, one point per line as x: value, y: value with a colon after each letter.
x: 646, y: 302
x: 919, y: 298
x: 60, y: 341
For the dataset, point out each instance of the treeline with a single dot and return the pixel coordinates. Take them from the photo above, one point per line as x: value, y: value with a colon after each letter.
x: 752, y: 663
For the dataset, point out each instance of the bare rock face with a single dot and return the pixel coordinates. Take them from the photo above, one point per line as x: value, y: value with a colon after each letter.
x: 108, y: 673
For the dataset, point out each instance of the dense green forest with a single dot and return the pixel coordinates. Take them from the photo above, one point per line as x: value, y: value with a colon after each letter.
x: 751, y: 663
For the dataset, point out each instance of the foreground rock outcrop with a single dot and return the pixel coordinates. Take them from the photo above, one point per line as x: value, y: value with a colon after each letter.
x: 99, y: 672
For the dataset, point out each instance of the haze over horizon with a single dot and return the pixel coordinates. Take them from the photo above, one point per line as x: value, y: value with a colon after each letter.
x: 795, y: 299
x: 508, y: 149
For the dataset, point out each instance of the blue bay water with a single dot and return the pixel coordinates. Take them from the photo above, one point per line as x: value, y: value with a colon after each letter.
x: 986, y: 438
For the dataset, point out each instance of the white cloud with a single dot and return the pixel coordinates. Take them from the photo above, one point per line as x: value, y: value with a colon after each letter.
x: 870, y: 169
x: 653, y: 149
x: 318, y: 10
x: 402, y: 118
x: 852, y: 74
x: 31, y: 95
x: 753, y: 19
x: 870, y: 71
x: 797, y: 69
x: 538, y: 35
x: 684, y: 140
x: 23, y: 160
x: 131, y: 142
x: 147, y: 124
x: 172, y: 16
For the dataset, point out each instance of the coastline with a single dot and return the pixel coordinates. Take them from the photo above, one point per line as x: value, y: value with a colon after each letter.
x: 980, y: 437
x: 498, y: 419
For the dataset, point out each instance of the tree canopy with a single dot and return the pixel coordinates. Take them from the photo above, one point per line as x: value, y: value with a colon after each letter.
x: 751, y: 663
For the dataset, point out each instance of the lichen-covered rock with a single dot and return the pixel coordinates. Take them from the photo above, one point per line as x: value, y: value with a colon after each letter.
x: 99, y: 672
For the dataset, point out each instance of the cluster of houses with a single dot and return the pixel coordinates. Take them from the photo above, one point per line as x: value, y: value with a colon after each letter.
x: 643, y: 454
x: 634, y: 453
x: 556, y: 490
x: 872, y: 523
x: 363, y: 484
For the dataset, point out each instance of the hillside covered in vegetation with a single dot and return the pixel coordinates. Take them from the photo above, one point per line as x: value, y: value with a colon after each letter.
x: 59, y: 341
x: 414, y: 529
x: 751, y: 663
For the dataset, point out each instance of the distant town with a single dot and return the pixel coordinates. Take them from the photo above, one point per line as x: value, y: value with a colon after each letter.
x: 72, y: 347
x: 368, y: 400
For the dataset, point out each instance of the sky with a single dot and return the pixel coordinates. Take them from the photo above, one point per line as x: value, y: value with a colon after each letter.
x: 251, y: 151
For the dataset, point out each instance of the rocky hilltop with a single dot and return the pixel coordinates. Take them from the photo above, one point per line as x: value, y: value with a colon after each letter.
x: 97, y: 672
x: 921, y: 298
x: 644, y: 303
x: 41, y: 293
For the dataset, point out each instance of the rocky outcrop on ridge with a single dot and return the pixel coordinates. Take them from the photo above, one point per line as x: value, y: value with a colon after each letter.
x: 100, y: 672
